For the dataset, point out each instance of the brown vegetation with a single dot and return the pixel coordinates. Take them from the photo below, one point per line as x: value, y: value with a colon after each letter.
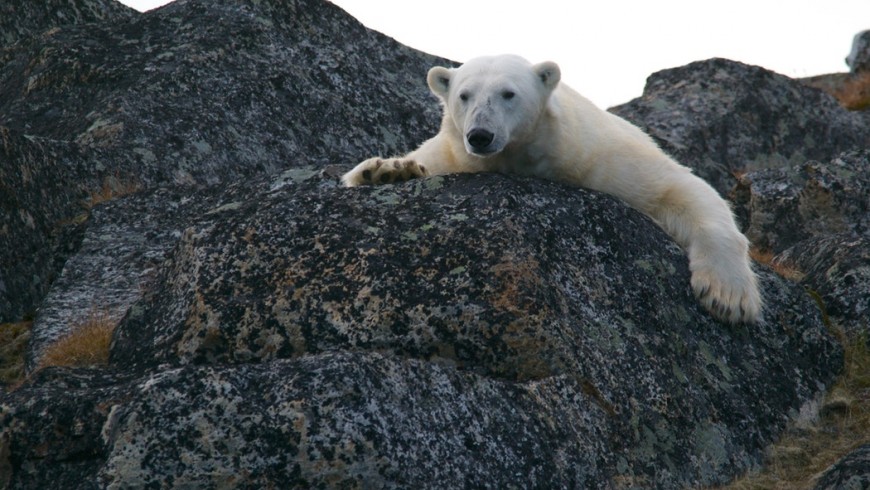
x: 784, y: 269
x: 112, y: 188
x: 86, y: 345
x: 854, y: 93
x: 852, y: 90
x: 803, y: 454
x: 13, y: 342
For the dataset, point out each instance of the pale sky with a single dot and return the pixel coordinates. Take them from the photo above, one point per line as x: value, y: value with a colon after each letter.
x: 607, y: 49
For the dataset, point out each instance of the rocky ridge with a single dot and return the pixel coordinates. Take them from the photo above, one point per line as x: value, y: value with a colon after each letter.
x: 163, y: 99
x: 275, y: 329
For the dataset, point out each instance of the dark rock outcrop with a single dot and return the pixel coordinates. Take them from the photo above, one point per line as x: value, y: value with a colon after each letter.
x: 859, y: 57
x: 50, y: 435
x: 837, y: 268
x: 852, y: 472
x: 43, y: 185
x: 194, y: 93
x: 121, y: 246
x: 341, y: 336
x: 787, y: 205
x: 24, y: 19
x: 723, y: 118
x: 816, y: 216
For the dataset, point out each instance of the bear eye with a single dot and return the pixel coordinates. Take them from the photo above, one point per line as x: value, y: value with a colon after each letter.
x: 507, y: 95
x: 463, y: 96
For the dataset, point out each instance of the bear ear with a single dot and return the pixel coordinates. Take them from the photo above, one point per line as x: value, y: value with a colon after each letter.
x: 439, y: 81
x: 549, y: 73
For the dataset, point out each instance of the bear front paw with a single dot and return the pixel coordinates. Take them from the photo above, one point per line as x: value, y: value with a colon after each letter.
x: 383, y: 171
x: 730, y: 296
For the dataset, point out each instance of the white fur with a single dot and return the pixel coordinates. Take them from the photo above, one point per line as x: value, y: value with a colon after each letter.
x: 548, y: 130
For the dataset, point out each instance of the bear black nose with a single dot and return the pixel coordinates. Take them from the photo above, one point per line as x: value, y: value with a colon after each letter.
x: 479, y: 138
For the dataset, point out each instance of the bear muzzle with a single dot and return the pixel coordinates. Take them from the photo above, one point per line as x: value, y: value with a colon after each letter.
x: 480, y: 141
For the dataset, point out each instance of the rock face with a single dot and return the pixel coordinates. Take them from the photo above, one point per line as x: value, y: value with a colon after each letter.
x: 790, y: 204
x: 164, y: 98
x: 277, y: 330
x: 851, y: 472
x: 837, y: 268
x: 347, y: 335
x: 859, y: 57
x: 22, y: 20
x: 723, y: 118
x: 121, y: 246
x: 815, y: 216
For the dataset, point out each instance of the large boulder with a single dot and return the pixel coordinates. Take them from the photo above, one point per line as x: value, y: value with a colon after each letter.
x: 195, y: 93
x: 725, y: 118
x: 859, y: 56
x: 43, y: 185
x: 815, y: 218
x: 120, y: 247
x: 837, y: 269
x: 851, y: 472
x: 24, y: 19
x: 784, y: 206
x: 461, y: 330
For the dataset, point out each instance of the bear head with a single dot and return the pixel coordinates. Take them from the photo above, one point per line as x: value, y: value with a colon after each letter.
x: 494, y: 101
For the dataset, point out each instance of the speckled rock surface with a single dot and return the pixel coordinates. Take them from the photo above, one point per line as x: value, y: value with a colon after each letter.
x: 122, y: 244
x: 852, y: 472
x: 784, y: 206
x: 41, y: 193
x: 561, y: 347
x: 837, y: 268
x: 859, y: 56
x: 545, y: 289
x: 50, y: 431
x: 816, y: 217
x: 164, y: 98
x: 721, y: 117
x: 23, y: 19
x: 355, y: 420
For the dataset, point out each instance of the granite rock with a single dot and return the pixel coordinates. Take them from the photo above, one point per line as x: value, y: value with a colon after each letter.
x: 42, y: 194
x: 852, y: 472
x: 121, y: 245
x: 24, y: 19
x: 307, y: 333
x: 723, y: 118
x: 163, y: 98
x: 859, y: 57
x: 836, y: 268
x: 787, y: 205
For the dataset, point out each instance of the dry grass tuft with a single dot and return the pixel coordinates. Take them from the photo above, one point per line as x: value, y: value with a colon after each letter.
x: 854, y: 93
x: 86, y: 345
x: 13, y: 342
x: 803, y: 454
x: 112, y: 188
x: 784, y: 269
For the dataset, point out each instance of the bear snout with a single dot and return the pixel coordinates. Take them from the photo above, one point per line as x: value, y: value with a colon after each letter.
x: 479, y: 139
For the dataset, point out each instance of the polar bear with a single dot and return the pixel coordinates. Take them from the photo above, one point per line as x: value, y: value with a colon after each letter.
x: 503, y: 114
